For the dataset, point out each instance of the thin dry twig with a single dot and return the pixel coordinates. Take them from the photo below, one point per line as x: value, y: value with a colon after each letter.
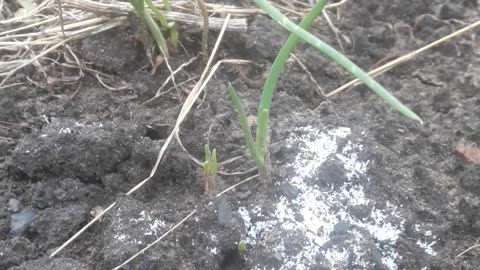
x: 402, y: 59
x: 238, y: 184
x: 180, y: 223
x: 53, y: 20
x: 170, y: 77
x: 477, y: 244
x: 157, y: 240
x: 183, y: 113
x: 334, y: 30
x: 319, y: 89
x: 97, y: 217
x: 117, y: 8
x: 45, y: 52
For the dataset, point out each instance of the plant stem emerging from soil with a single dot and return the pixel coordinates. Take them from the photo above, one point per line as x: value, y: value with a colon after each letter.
x: 282, y: 57
x: 210, y: 170
x: 258, y: 148
x: 247, y: 133
x: 338, y: 58
x: 139, y: 6
x: 163, y: 21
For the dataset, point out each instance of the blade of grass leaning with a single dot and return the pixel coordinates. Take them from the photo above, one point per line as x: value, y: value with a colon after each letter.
x: 337, y: 57
x: 282, y: 57
x: 161, y: 18
x: 274, y: 74
x: 171, y: 26
x: 139, y: 6
x: 261, y: 137
x: 244, y: 124
x: 166, y: 5
x: 156, y: 33
x: 163, y: 21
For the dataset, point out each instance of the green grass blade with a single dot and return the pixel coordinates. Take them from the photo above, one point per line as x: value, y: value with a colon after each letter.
x: 161, y: 18
x: 207, y: 153
x: 139, y: 6
x: 156, y: 33
x: 282, y: 57
x: 242, y: 117
x: 213, y: 167
x: 163, y: 21
x: 262, y: 127
x: 166, y: 5
x: 173, y: 36
x: 206, y: 166
x: 338, y: 58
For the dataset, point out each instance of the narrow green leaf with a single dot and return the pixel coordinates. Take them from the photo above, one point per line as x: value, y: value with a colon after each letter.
x: 156, y: 33
x: 161, y: 18
x: 163, y: 21
x: 139, y: 6
x: 242, y: 117
x: 337, y: 57
x: 206, y: 166
x: 282, y: 57
x: 207, y: 153
x: 167, y: 6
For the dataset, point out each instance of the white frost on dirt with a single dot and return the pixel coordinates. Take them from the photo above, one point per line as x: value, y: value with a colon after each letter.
x: 427, y: 240
x: 145, y: 225
x: 321, y: 210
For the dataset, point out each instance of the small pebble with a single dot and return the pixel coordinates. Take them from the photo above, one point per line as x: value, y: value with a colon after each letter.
x: 60, y: 193
x: 224, y: 212
x: 14, y: 205
x: 341, y: 228
x: 21, y: 220
x: 278, y: 256
x: 243, y: 195
x: 290, y: 191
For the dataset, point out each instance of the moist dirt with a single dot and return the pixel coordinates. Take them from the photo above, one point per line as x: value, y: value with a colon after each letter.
x: 353, y: 184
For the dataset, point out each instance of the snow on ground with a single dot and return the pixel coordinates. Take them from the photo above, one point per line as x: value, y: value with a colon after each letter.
x: 321, y: 210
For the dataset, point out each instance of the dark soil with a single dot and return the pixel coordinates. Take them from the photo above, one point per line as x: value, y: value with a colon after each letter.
x: 354, y: 184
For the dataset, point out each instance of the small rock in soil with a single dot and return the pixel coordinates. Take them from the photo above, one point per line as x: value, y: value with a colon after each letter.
x: 43, y: 194
x: 21, y: 220
x: 224, y: 212
x: 243, y: 194
x: 14, y: 205
x: 82, y: 150
x: 53, y: 264
x: 448, y: 11
x: 14, y: 251
x: 470, y: 180
x: 290, y: 191
x: 341, y: 228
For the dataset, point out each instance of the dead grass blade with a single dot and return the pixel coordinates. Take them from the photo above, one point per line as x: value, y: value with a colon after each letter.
x: 238, y: 184
x: 117, y: 8
x: 402, y: 59
x: 45, y: 52
x: 194, y: 94
x: 157, y: 240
